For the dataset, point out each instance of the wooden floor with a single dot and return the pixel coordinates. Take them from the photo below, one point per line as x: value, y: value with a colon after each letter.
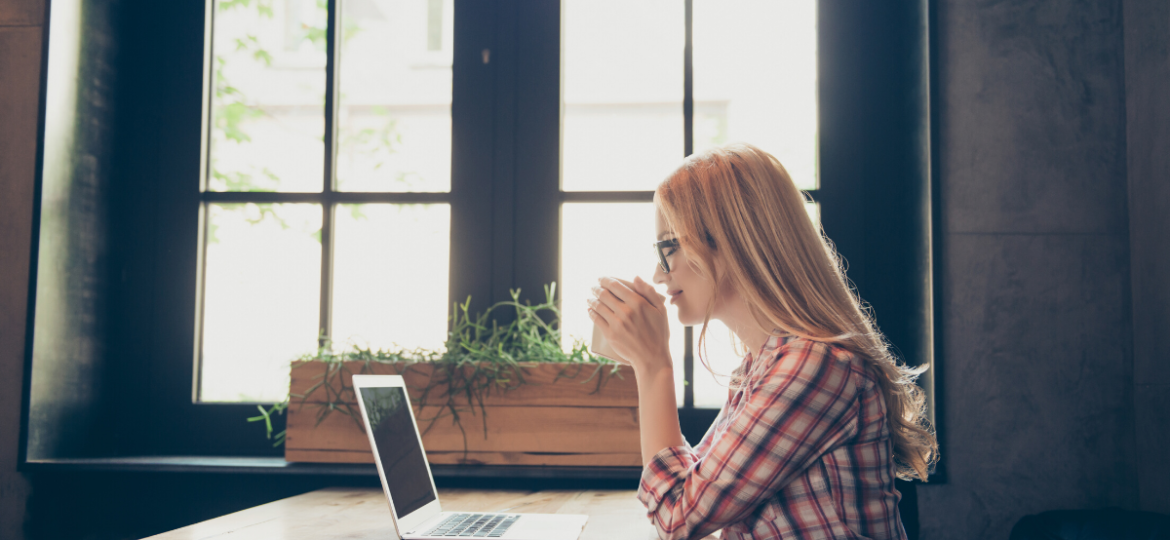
x: 362, y: 513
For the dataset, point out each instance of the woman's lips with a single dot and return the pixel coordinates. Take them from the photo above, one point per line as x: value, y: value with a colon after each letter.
x: 674, y: 295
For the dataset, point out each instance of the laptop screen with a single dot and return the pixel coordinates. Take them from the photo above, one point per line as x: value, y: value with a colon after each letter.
x: 401, y: 452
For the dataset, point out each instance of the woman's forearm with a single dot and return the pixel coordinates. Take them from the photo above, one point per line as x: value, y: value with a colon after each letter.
x: 657, y: 410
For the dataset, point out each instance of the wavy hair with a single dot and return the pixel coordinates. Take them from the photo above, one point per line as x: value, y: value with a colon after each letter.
x: 738, y: 203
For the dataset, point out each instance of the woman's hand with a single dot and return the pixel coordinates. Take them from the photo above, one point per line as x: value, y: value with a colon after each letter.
x: 632, y: 317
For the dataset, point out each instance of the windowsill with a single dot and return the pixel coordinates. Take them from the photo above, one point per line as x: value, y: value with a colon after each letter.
x: 275, y: 465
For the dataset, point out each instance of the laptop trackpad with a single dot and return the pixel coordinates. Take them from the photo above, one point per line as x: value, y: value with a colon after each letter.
x: 547, y: 527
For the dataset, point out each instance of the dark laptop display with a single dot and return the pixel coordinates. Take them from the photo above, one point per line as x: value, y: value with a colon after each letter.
x: 399, y: 449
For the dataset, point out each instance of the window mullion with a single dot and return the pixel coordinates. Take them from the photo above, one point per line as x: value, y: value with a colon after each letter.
x: 332, y: 67
x: 536, y: 148
x: 688, y: 87
x: 325, y: 328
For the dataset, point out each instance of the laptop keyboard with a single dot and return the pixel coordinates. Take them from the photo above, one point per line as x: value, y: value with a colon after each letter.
x: 474, y: 526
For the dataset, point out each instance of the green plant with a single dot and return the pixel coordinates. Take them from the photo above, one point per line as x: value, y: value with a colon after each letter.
x: 480, y: 357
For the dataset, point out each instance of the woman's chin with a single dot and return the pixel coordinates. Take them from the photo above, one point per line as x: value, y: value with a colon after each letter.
x: 688, y: 319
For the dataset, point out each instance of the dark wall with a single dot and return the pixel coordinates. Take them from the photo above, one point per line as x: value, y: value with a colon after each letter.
x: 1037, y: 356
x: 1147, y: 104
x: 21, y: 24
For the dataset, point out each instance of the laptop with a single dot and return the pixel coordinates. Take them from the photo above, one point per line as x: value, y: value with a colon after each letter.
x: 410, y: 488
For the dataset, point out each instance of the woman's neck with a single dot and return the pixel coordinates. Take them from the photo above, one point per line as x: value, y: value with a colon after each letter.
x: 737, y: 316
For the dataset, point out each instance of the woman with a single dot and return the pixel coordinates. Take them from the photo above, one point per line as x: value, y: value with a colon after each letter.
x: 819, y: 420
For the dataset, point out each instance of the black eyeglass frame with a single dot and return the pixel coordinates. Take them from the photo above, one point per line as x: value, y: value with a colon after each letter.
x: 658, y: 248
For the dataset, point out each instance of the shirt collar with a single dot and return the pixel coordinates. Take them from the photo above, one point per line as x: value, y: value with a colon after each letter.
x: 774, y: 342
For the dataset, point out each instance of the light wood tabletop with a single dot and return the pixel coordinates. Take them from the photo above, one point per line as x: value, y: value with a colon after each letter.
x: 362, y: 513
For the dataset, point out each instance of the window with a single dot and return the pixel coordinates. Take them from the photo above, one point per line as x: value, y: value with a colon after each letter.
x: 312, y: 173
x: 328, y: 181
x: 330, y: 151
x: 445, y: 118
x: 620, y: 140
x: 305, y: 231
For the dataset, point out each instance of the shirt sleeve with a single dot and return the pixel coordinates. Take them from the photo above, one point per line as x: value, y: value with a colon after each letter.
x: 805, y: 405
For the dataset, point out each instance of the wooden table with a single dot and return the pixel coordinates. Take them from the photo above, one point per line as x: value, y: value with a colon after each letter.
x: 360, y: 513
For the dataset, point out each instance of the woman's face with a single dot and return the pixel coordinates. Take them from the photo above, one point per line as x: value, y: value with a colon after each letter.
x: 685, y: 288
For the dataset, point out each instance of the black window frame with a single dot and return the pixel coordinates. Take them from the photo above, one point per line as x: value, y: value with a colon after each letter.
x: 874, y: 169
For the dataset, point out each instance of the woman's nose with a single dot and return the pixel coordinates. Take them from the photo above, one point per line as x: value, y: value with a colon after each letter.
x: 659, y: 276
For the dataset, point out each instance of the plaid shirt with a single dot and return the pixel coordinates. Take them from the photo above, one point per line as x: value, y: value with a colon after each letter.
x: 803, y: 451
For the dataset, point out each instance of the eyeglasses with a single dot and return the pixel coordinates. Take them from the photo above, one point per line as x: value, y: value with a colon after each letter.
x: 661, y: 249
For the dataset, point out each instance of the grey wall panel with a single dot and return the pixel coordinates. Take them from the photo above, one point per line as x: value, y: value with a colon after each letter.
x: 1147, y: 74
x: 1037, y: 361
x: 1152, y: 420
x: 1038, y: 412
x: 1033, y: 116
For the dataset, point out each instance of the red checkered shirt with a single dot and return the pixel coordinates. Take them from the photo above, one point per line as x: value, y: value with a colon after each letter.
x: 802, y: 451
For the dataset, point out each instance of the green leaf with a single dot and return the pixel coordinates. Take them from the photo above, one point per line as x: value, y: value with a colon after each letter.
x: 263, y: 56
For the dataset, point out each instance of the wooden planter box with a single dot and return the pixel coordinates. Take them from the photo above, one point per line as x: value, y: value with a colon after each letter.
x: 563, y: 416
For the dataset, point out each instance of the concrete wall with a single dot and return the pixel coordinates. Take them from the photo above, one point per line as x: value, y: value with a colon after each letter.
x: 21, y: 25
x: 1147, y: 103
x: 1037, y: 359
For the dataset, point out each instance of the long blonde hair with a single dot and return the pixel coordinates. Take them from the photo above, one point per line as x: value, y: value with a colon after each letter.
x: 738, y: 201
